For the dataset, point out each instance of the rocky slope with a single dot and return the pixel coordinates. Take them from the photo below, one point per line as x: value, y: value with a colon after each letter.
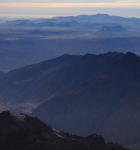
x: 27, y: 133
x: 107, y: 105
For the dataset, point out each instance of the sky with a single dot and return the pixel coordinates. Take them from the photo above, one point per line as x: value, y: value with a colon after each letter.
x: 45, y: 8
x: 67, y: 1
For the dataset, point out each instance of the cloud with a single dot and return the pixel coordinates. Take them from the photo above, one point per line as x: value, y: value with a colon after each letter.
x: 56, y: 1
x: 119, y: 4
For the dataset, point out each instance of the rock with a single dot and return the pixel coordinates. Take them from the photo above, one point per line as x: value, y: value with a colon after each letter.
x: 21, y: 132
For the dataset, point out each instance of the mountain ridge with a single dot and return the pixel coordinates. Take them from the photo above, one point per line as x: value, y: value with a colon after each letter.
x: 52, y: 77
x: 108, y: 105
x: 24, y: 132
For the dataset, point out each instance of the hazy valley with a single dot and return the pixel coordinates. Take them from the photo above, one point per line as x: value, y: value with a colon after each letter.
x: 78, y: 74
x: 50, y: 38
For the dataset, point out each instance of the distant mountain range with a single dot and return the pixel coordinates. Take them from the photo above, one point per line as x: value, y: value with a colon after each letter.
x: 75, y: 21
x: 75, y: 35
x: 10, y: 59
x: 92, y: 45
x: 51, y: 48
x: 25, y: 45
x: 83, y: 25
x: 24, y: 132
x: 114, y: 31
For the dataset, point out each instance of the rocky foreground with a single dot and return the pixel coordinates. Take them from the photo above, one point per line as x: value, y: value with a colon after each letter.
x: 21, y: 132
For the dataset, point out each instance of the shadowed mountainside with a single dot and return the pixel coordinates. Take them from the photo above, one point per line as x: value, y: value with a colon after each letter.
x: 86, y: 94
x: 31, y: 78
x: 108, y: 104
x: 114, y: 31
x: 36, y: 83
x: 92, y: 45
x: 54, y: 47
x: 25, y: 45
x: 27, y: 133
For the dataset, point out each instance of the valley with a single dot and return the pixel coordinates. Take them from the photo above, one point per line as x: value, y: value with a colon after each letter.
x: 87, y: 93
x: 78, y: 74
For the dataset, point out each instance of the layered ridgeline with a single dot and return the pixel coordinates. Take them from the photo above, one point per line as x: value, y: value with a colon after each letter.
x: 82, y: 34
x: 50, y: 48
x: 86, y: 22
x: 107, y: 104
x: 84, y: 94
x: 27, y: 133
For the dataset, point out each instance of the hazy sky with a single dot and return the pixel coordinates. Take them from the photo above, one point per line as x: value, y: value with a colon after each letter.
x: 127, y: 8
x: 68, y: 1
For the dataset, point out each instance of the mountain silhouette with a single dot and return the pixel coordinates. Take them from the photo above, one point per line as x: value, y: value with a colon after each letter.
x: 24, y: 132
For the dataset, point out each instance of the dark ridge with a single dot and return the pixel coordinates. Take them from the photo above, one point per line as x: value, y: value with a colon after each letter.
x: 114, y: 28
x: 130, y: 54
x: 5, y: 113
x: 21, y: 132
x: 53, y: 77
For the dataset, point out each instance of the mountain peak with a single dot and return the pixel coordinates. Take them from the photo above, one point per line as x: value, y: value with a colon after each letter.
x: 132, y: 57
x: 102, y: 14
x: 131, y: 54
x: 5, y: 113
